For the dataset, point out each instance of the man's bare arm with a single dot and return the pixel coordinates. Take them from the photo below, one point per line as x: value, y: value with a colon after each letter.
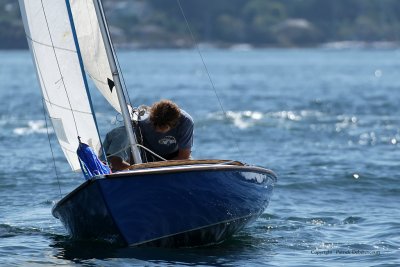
x: 183, y: 154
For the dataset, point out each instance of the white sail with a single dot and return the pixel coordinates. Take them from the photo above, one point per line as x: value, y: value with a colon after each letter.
x: 92, y: 48
x: 99, y: 59
x: 49, y: 33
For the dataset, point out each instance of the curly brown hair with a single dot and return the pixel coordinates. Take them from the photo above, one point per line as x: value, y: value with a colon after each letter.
x: 165, y: 113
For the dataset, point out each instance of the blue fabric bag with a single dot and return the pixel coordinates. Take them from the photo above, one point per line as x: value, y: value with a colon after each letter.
x: 90, y: 163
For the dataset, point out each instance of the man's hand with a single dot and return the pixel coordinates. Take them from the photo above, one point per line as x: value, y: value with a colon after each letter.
x: 117, y: 164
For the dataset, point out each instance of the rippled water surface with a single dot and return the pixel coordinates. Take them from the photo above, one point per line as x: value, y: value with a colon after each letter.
x: 327, y: 122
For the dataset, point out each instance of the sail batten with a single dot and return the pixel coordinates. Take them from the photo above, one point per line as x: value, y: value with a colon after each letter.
x: 68, y: 108
x: 49, y: 45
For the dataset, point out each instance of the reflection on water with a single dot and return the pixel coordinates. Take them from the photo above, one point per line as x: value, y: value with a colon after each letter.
x: 93, y: 252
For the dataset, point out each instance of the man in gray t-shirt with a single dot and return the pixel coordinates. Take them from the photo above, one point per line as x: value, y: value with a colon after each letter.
x: 166, y: 129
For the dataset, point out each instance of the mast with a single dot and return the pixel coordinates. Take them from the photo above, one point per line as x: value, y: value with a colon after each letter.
x: 117, y: 81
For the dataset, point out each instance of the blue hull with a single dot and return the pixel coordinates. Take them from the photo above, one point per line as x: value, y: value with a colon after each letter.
x: 169, y: 207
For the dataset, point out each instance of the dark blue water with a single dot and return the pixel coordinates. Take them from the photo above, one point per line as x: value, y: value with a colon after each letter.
x: 327, y: 122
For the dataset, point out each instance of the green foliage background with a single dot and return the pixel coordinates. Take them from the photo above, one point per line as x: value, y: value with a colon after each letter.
x: 225, y: 22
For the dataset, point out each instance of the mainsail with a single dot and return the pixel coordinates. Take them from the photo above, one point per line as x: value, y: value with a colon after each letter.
x: 61, y: 76
x: 92, y: 49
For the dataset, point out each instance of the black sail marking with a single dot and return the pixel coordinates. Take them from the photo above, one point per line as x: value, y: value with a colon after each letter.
x: 111, y: 84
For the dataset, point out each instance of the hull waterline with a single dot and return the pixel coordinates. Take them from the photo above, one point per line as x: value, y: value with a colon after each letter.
x: 179, y: 206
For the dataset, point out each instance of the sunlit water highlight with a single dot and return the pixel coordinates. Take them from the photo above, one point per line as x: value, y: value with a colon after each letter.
x: 328, y: 122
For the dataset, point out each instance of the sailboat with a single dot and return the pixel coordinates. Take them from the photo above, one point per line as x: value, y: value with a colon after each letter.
x: 170, y: 203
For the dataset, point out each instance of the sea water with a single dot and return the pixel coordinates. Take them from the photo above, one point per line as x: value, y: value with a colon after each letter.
x: 326, y: 121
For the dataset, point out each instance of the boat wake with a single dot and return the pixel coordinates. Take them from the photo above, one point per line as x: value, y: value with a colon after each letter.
x: 33, y: 127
